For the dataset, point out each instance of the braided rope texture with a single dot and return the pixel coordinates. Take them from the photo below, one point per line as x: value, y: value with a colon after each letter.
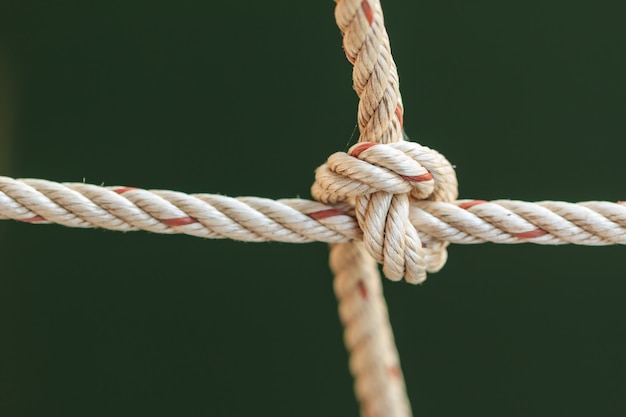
x: 381, y: 212
x: 374, y: 362
x: 255, y: 219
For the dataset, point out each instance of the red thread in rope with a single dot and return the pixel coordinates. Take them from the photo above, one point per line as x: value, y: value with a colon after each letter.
x: 363, y: 289
x: 124, y: 189
x: 418, y: 178
x: 362, y: 147
x: 395, y: 371
x: 180, y: 221
x: 324, y: 214
x: 367, y: 10
x: 530, y: 234
x: 469, y: 204
x: 349, y: 58
x: 400, y: 115
x: 33, y: 219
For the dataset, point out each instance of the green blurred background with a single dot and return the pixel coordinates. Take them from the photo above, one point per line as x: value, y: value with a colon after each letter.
x: 528, y: 99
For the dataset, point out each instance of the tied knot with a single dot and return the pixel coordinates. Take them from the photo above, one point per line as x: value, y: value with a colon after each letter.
x: 380, y: 181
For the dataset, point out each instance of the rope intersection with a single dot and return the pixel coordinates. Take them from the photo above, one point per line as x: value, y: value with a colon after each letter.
x: 386, y: 200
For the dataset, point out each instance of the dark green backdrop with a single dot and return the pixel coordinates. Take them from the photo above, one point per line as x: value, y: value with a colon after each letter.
x: 247, y: 98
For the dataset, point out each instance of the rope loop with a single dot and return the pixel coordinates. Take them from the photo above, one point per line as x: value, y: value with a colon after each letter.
x: 381, y: 180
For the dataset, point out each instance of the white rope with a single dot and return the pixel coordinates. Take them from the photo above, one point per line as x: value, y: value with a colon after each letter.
x: 255, y: 219
x: 382, y: 213
x: 381, y: 180
x: 374, y: 361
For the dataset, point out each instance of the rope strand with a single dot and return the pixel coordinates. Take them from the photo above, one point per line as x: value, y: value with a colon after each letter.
x: 374, y: 361
x: 255, y: 219
x: 388, y: 237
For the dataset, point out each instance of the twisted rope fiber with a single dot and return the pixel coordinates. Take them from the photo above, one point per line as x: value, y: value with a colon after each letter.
x: 255, y: 219
x: 382, y: 214
x: 385, y: 200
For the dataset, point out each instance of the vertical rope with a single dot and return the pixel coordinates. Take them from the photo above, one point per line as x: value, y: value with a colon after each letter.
x: 374, y: 361
x: 375, y: 77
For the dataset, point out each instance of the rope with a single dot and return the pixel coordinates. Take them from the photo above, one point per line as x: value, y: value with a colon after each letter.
x: 255, y: 219
x: 374, y: 361
x: 381, y: 212
x: 385, y: 200
x: 382, y: 180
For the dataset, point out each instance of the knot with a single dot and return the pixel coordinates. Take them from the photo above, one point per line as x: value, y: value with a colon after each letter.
x: 381, y: 180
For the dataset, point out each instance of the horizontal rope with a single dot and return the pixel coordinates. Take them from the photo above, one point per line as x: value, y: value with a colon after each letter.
x: 255, y: 219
